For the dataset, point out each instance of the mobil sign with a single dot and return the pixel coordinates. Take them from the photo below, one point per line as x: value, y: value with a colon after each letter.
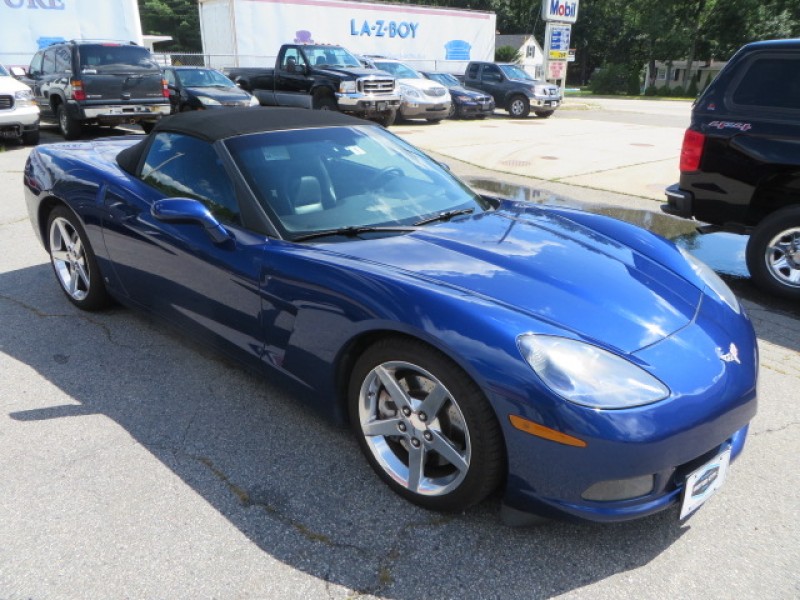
x: 565, y: 11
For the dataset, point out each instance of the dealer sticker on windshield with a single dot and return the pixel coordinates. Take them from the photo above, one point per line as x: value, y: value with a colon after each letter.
x: 703, y: 482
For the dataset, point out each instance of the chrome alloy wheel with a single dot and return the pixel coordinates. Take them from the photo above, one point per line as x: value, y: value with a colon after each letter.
x: 69, y: 259
x: 782, y: 256
x: 414, y: 428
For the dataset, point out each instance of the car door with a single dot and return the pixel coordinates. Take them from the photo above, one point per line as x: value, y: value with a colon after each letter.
x: 292, y: 82
x: 176, y: 269
x: 492, y: 83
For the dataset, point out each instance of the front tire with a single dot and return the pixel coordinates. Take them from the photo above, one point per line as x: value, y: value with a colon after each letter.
x: 519, y: 107
x: 544, y: 114
x: 325, y: 103
x: 773, y: 253
x: 74, y: 262
x: 30, y: 138
x: 425, y: 427
x: 70, y: 128
x: 388, y: 118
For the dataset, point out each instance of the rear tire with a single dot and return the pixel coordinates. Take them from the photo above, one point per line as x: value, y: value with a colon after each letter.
x: 70, y: 128
x: 773, y: 253
x: 74, y: 261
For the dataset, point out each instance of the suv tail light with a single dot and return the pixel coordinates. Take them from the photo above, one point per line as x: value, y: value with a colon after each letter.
x: 78, y: 93
x: 165, y: 88
x: 692, y: 150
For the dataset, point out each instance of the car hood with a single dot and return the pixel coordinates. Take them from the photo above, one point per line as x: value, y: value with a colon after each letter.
x: 228, y: 94
x: 458, y: 90
x: 10, y: 85
x: 547, y: 266
x: 351, y: 72
x: 421, y: 84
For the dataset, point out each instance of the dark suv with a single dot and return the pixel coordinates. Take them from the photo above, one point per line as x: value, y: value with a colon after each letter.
x: 102, y: 83
x: 740, y: 161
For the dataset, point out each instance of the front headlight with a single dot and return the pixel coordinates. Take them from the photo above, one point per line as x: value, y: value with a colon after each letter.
x: 254, y: 101
x: 347, y: 87
x: 712, y: 280
x: 24, y: 98
x: 588, y: 375
x: 206, y: 101
x: 409, y: 91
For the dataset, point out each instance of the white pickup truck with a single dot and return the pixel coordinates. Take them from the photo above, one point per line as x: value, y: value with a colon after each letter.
x: 19, y: 113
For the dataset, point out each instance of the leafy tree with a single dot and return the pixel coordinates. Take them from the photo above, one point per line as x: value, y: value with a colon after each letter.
x: 178, y: 18
x: 506, y: 54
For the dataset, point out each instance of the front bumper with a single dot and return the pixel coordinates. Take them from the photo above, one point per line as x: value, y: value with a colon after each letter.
x: 424, y: 108
x: 474, y: 109
x: 18, y: 120
x: 679, y: 202
x: 367, y: 104
x: 712, y: 401
x: 546, y: 103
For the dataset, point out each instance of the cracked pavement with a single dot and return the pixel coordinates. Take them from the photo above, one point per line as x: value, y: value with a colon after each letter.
x: 138, y: 464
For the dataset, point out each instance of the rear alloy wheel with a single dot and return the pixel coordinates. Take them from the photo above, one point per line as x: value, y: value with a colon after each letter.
x: 70, y: 128
x: 773, y: 253
x: 519, y: 107
x: 425, y: 426
x: 74, y: 262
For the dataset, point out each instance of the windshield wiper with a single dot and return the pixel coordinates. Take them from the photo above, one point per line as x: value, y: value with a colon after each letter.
x: 446, y: 216
x: 351, y: 231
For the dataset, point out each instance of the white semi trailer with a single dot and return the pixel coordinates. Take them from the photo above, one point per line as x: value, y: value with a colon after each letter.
x: 243, y: 32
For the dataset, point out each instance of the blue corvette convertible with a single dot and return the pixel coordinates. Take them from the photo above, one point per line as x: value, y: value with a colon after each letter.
x: 585, y: 367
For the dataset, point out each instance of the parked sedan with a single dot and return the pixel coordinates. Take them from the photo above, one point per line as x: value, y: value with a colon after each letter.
x: 585, y: 366
x: 421, y: 97
x: 198, y: 88
x: 466, y: 102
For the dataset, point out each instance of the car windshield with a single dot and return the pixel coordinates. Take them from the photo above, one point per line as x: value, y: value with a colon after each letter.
x: 399, y: 70
x: 3, y: 71
x: 113, y: 57
x: 203, y: 78
x: 330, y: 56
x: 445, y: 79
x: 514, y: 72
x: 316, y: 180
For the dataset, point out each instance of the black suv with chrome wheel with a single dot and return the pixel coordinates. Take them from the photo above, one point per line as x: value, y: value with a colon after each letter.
x: 740, y: 161
x: 98, y: 83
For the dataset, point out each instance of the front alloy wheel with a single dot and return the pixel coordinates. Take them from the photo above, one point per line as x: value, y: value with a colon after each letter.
x: 425, y: 426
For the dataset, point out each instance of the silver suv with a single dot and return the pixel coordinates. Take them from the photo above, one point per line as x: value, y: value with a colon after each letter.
x: 19, y: 113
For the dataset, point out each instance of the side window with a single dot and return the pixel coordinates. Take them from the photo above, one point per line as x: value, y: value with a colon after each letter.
x: 49, y: 62
x: 491, y: 73
x: 169, y: 75
x: 292, y: 59
x: 183, y: 166
x: 36, y: 64
x: 472, y: 72
x: 770, y: 82
x: 63, y: 62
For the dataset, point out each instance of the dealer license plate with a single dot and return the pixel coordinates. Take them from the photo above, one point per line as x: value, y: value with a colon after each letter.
x: 703, y: 482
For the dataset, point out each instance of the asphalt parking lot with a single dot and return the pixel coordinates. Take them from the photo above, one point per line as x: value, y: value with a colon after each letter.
x: 136, y: 464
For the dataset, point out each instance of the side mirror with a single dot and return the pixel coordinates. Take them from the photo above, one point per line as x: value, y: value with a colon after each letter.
x: 18, y: 72
x: 186, y: 210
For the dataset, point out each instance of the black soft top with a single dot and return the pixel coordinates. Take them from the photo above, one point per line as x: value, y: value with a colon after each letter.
x: 213, y: 125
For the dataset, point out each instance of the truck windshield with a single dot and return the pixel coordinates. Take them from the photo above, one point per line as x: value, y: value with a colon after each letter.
x: 514, y: 72
x: 113, y: 57
x: 330, y: 56
x: 329, y: 179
